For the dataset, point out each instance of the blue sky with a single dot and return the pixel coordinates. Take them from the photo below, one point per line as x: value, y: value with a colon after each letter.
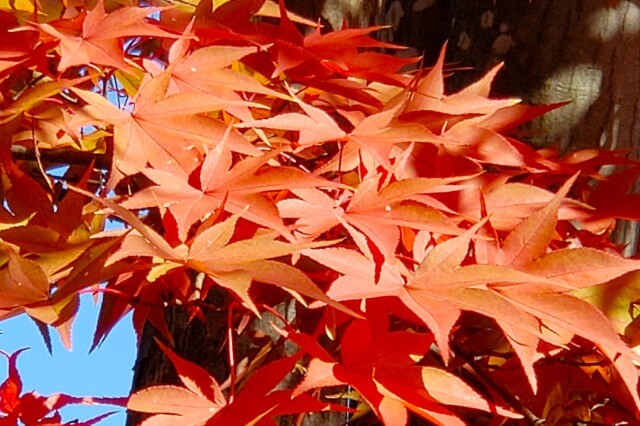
x: 107, y: 371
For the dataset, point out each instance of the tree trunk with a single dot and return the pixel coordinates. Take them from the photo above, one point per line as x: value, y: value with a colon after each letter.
x: 424, y: 25
x: 201, y: 343
x: 572, y: 50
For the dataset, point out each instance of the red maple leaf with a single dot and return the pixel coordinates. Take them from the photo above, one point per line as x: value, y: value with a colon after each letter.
x: 376, y: 210
x: 383, y: 369
x: 31, y: 409
x: 97, y: 37
x: 232, y: 264
x: 238, y: 187
x: 201, y: 399
x: 167, y: 132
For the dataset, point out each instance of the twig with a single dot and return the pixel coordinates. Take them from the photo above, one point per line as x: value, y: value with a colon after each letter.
x: 509, y: 398
x: 61, y: 156
x: 38, y: 157
x: 232, y: 358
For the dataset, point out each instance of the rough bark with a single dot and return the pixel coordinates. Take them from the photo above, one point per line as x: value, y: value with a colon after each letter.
x: 424, y: 25
x: 577, y: 50
x: 201, y: 343
x: 339, y: 13
x: 573, y: 50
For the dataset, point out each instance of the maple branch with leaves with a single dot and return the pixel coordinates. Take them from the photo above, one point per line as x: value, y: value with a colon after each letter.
x: 407, y: 227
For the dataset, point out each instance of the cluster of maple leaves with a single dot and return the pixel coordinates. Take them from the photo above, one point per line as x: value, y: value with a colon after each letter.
x: 454, y: 273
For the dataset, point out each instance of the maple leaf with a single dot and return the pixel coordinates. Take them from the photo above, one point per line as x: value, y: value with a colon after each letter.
x: 508, y: 203
x: 99, y: 38
x: 378, y: 134
x: 169, y: 133
x: 253, y: 146
x: 427, y: 94
x: 526, y: 247
x: 18, y: 45
x: 372, y: 364
x: 31, y: 408
x: 472, y: 118
x: 206, y: 70
x: 570, y: 269
x: 309, y: 60
x: 234, y: 187
x: 32, y: 97
x: 233, y: 265
x: 39, y: 250
x: 198, y: 401
x: 22, y: 281
x: 436, y: 292
x: 487, y: 146
x: 11, y: 388
x: 580, y: 318
x: 38, y: 208
x: 530, y: 239
x: 114, y: 307
x: 300, y: 56
x: 202, y: 400
x: 144, y: 288
x: 576, y: 268
x: 267, y: 401
x: 314, y: 126
x: 377, y: 212
x: 510, y: 117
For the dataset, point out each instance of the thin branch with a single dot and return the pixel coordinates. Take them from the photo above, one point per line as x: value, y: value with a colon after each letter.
x: 36, y: 151
x: 231, y: 353
x: 61, y: 156
x: 507, y: 396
